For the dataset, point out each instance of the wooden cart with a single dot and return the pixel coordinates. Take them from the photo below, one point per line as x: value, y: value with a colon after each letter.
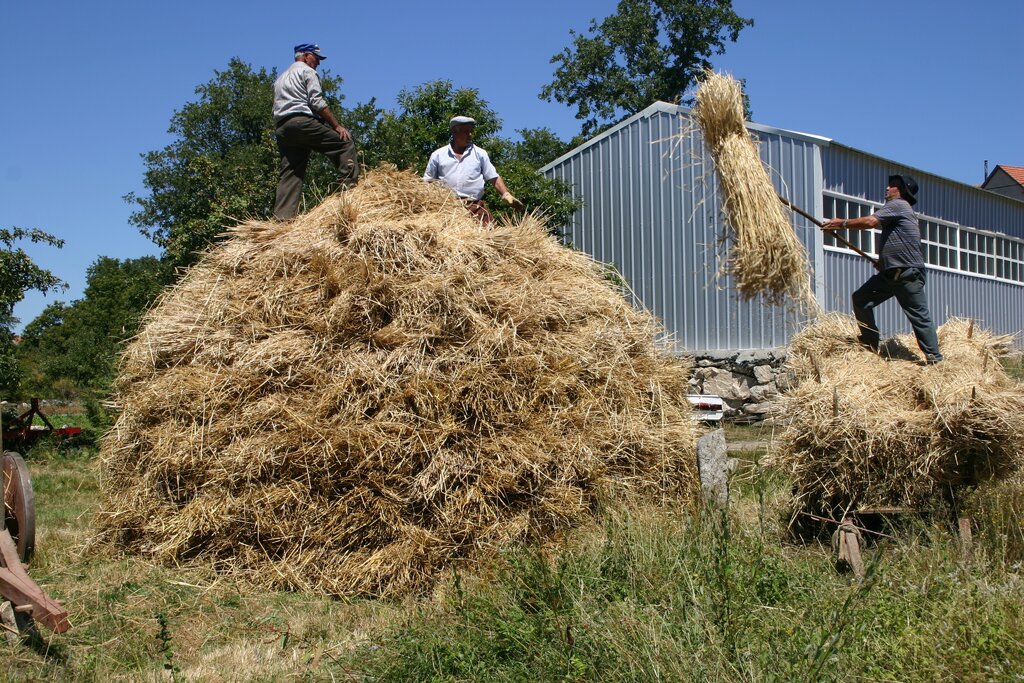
x: 848, y: 539
x: 17, y: 542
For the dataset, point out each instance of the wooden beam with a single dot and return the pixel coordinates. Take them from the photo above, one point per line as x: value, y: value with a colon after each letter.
x: 847, y: 542
x: 21, y: 590
x: 966, y: 536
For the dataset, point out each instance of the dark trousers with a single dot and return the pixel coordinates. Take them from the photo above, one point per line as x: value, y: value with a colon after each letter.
x: 297, y: 137
x: 907, y: 285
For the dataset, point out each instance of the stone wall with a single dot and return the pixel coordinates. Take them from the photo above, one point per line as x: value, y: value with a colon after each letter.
x: 747, y: 381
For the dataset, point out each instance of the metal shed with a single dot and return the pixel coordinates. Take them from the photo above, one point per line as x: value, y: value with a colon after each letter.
x: 651, y: 209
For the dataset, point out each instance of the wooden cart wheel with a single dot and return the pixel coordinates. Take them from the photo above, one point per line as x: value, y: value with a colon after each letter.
x: 19, y: 504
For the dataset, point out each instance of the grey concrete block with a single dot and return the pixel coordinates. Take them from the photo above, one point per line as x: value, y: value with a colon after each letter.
x: 714, y: 467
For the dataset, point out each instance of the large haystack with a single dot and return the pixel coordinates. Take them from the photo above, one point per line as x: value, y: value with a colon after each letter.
x: 765, y: 255
x: 866, y: 430
x: 351, y: 401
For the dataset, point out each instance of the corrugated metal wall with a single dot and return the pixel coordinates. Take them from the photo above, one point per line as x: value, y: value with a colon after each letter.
x: 998, y: 306
x: 651, y: 210
x: 859, y: 174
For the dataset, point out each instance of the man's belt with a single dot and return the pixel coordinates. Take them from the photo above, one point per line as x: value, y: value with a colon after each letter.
x: 895, y: 273
x: 292, y: 116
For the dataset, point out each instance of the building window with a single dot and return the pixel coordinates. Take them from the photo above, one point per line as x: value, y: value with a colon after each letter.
x: 944, y: 245
x: 845, y: 207
x: 940, y: 243
x: 992, y: 255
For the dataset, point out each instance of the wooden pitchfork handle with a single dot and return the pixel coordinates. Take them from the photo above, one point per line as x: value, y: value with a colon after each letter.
x: 830, y: 231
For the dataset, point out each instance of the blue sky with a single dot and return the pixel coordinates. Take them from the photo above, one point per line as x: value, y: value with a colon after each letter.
x: 90, y: 86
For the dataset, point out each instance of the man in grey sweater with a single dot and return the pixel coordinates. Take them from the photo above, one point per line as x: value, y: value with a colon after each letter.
x: 901, y: 269
x: 303, y: 123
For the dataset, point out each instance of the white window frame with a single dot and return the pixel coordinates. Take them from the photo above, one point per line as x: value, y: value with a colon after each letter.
x: 967, y: 251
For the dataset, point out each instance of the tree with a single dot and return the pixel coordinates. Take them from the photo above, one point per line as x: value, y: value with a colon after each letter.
x: 407, y: 137
x: 648, y: 50
x: 519, y: 163
x: 31, y: 358
x: 18, y: 274
x: 79, y: 343
x: 539, y: 146
x: 222, y: 167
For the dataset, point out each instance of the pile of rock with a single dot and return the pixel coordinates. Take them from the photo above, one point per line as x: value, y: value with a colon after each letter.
x: 747, y: 380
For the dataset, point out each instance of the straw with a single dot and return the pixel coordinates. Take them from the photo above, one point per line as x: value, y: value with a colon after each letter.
x: 765, y: 257
x: 355, y: 401
x: 869, y: 430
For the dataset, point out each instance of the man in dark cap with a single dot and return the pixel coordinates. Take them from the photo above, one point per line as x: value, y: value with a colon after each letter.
x: 303, y: 123
x: 465, y: 168
x: 901, y: 270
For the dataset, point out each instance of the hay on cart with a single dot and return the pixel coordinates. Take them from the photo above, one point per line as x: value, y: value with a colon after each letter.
x: 866, y: 430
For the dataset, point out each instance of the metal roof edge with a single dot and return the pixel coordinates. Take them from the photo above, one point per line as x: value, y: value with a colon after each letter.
x: 668, y: 108
x: 915, y: 169
x: 645, y: 113
x: 806, y: 137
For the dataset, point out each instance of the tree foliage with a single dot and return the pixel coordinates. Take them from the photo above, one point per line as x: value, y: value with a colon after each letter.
x: 539, y: 146
x: 648, y: 50
x: 407, y: 136
x: 222, y: 166
x: 79, y: 343
x: 518, y: 163
x: 18, y: 274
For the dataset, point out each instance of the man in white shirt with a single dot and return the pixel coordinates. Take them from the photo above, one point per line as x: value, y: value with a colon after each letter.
x: 303, y: 123
x: 465, y: 168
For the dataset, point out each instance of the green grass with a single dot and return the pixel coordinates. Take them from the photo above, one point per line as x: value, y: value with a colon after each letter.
x: 758, y: 431
x: 1015, y: 366
x: 639, y: 595
x: 665, y: 598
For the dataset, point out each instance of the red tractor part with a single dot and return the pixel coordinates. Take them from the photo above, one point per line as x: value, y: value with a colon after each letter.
x: 23, y: 431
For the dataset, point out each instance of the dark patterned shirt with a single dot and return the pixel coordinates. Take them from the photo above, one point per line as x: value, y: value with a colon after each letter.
x: 900, y: 243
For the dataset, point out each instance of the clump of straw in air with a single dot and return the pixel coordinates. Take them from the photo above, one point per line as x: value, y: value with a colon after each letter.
x: 868, y: 430
x: 355, y: 401
x: 765, y: 256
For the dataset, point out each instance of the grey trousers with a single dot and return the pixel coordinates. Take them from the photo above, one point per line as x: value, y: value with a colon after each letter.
x: 297, y: 138
x: 907, y: 285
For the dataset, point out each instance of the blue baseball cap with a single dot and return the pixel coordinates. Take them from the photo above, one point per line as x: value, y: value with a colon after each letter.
x: 311, y: 48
